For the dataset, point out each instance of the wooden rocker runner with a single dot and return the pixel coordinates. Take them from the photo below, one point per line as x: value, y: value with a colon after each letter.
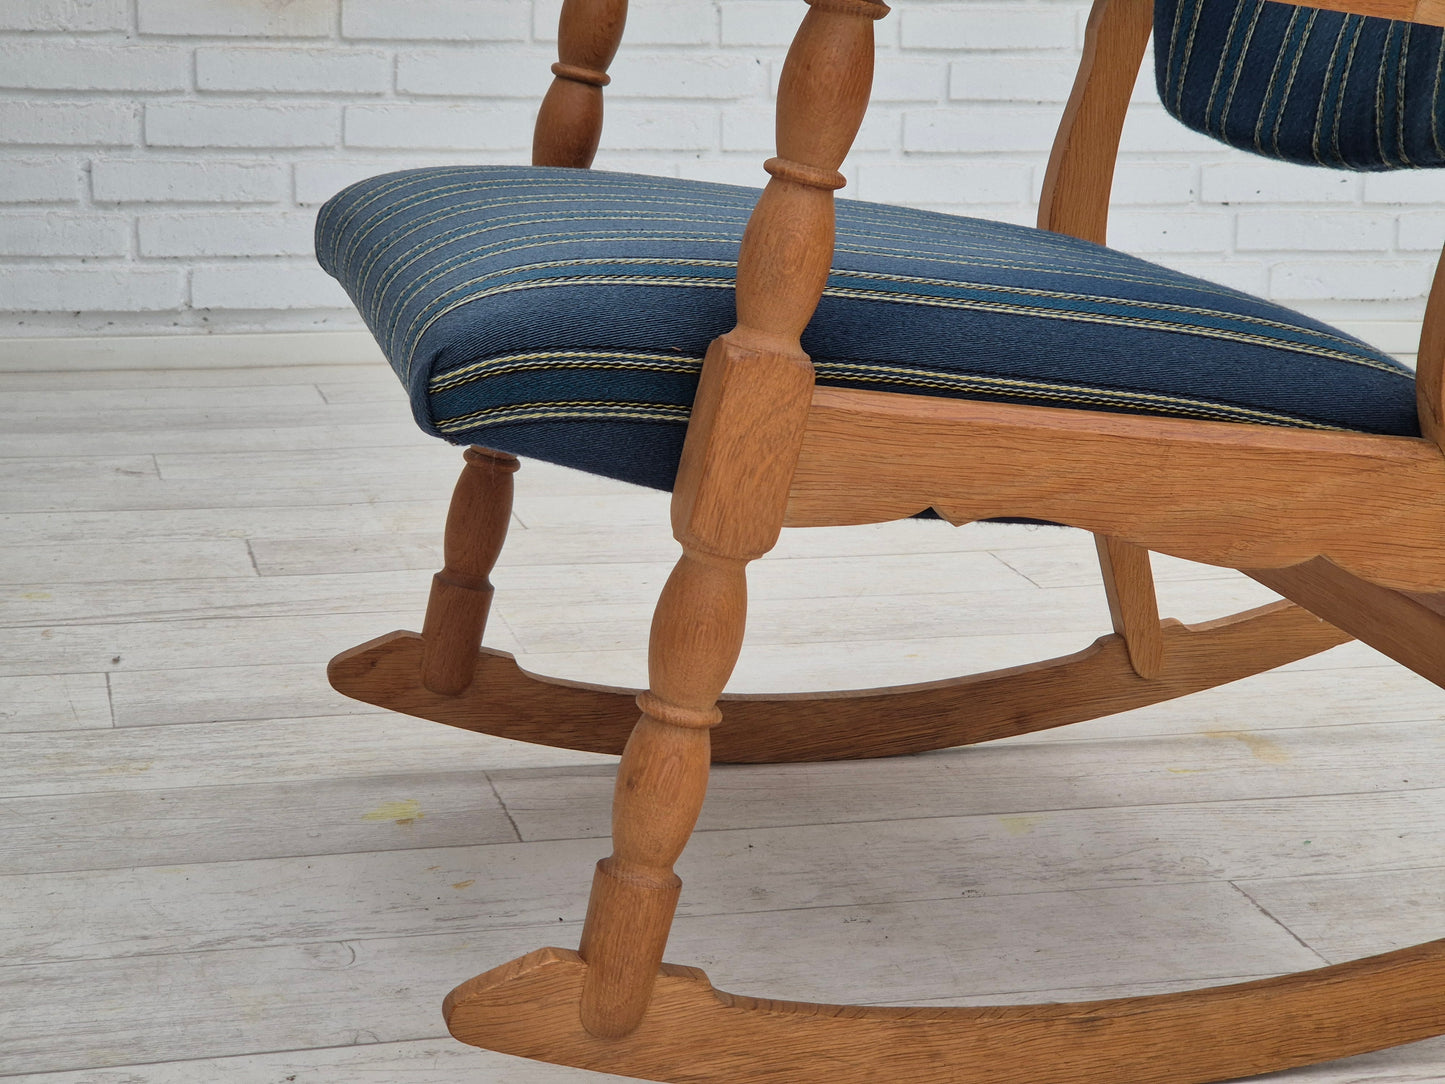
x: 882, y: 363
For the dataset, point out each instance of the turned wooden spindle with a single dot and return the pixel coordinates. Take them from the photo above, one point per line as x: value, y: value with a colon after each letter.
x: 461, y: 593
x: 697, y: 632
x: 728, y: 506
x: 569, y: 125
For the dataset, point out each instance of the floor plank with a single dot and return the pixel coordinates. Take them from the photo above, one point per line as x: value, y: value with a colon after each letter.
x: 223, y: 694
x: 338, y: 991
x: 199, y: 755
x: 54, y: 702
x: 100, y: 562
x: 191, y: 905
x: 239, y: 822
x: 1356, y: 914
x: 1019, y: 778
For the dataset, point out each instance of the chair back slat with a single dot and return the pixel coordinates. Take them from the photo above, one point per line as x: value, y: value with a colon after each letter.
x: 1318, y: 87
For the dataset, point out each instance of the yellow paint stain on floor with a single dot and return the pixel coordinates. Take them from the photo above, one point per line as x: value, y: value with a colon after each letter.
x: 1265, y: 749
x: 132, y: 768
x: 1021, y: 824
x: 464, y: 884
x: 404, y: 812
x: 38, y: 596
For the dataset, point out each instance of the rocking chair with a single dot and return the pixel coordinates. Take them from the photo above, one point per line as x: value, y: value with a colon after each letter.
x: 886, y: 363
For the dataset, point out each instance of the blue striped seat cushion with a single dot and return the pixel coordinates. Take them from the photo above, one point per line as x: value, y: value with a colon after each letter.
x: 1319, y: 87
x: 563, y: 314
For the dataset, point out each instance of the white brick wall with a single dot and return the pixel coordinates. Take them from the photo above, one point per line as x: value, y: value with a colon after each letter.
x: 161, y: 160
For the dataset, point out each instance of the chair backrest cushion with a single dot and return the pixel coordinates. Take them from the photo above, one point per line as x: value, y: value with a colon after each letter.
x: 1318, y: 87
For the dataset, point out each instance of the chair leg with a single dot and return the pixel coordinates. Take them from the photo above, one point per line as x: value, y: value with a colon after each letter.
x: 1129, y: 585
x: 697, y: 631
x: 461, y: 593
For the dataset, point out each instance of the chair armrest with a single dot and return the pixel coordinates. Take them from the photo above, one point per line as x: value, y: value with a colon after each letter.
x: 1431, y: 12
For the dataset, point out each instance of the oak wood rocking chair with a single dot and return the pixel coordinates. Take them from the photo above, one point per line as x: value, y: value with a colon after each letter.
x: 1323, y: 479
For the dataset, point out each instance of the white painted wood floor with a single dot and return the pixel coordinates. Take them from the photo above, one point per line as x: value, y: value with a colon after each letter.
x: 218, y: 870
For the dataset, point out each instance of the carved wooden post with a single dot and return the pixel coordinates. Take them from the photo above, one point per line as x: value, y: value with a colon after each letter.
x: 461, y: 594
x: 728, y: 505
x: 569, y: 125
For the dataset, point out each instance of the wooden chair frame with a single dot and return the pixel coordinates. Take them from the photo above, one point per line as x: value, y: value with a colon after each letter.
x: 1349, y: 526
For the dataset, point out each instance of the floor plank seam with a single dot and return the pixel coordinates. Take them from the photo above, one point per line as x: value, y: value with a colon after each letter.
x: 501, y: 802
x: 441, y: 1036
x: 1267, y: 913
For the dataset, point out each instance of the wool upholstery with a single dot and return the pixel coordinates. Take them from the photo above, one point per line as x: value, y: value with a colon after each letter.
x: 563, y: 314
x: 1318, y: 87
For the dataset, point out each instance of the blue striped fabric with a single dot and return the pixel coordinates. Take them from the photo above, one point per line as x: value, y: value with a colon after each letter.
x: 563, y: 314
x: 1319, y: 87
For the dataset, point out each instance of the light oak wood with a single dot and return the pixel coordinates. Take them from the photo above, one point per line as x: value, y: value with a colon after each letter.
x: 697, y: 633
x: 569, y: 124
x: 728, y: 506
x: 695, y: 1034
x: 461, y: 593
x: 1133, y: 607
x: 1408, y: 628
x: 1429, y: 12
x: 507, y: 701
x: 1217, y: 492
x: 1430, y: 361
x: 1080, y: 173
x: 1075, y: 201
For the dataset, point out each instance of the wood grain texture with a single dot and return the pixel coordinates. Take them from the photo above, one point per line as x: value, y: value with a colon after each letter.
x: 1216, y: 492
x: 569, y: 124
x: 461, y: 593
x: 728, y: 505
x: 1080, y: 174
x: 506, y: 701
x: 1409, y: 629
x: 1430, y: 360
x: 697, y: 632
x: 1133, y: 606
x: 694, y: 1034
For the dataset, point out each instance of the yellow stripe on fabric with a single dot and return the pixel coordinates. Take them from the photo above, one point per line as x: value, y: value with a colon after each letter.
x: 1154, y: 402
x: 926, y: 300
x: 1036, y: 391
x: 568, y: 410
x: 564, y: 359
x: 1293, y: 74
x: 1133, y: 322
x: 870, y: 373
x: 517, y: 188
x: 945, y: 234
x: 1102, y: 299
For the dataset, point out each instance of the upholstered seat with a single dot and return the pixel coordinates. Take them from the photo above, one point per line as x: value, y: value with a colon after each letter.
x: 564, y: 314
